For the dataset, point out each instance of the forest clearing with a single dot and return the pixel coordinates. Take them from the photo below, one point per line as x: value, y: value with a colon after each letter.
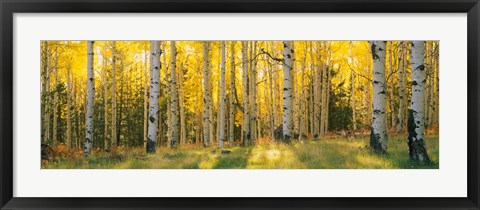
x: 322, y: 154
x: 239, y: 104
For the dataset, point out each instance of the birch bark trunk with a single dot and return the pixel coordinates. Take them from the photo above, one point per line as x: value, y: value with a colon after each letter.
x: 174, y: 95
x: 231, y: 107
x: 154, y: 95
x: 145, y: 97
x: 223, y: 96
x: 287, y: 91
x: 352, y: 78
x: 90, y: 101
x: 55, y: 100
x: 378, y: 136
x: 206, y: 96
x: 246, y: 110
x: 416, y: 121
x: 401, y: 87
x: 113, y: 140
x: 69, y: 107
x: 183, y: 126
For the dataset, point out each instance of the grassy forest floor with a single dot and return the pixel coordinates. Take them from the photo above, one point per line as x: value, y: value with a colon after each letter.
x: 321, y: 154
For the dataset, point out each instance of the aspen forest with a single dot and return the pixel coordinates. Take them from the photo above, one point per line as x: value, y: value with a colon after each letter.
x: 239, y: 104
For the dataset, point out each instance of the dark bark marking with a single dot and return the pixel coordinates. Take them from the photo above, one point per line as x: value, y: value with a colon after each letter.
x: 416, y: 147
x: 375, y: 142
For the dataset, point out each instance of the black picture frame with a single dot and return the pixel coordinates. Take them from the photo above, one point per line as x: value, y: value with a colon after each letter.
x: 10, y: 7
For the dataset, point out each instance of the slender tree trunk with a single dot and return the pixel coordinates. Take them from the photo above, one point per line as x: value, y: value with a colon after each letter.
x: 401, y: 87
x: 155, y: 53
x: 174, y: 95
x: 90, y: 100
x: 352, y: 81
x: 223, y: 96
x: 294, y: 91
x: 416, y: 124
x: 315, y: 93
x: 324, y: 102
x: 431, y: 78
x: 378, y: 136
x: 43, y: 91
x: 427, y: 85
x: 253, y: 94
x: 69, y: 107
x: 231, y: 107
x: 119, y: 128
x: 145, y: 98
x: 167, y: 97
x: 302, y: 110
x: 436, y: 86
x: 206, y: 95
x: 327, y: 94
x: 272, y: 99
x: 46, y: 94
x: 392, y: 89
x: 183, y: 134
x: 113, y: 139
x: 105, y: 100
x: 55, y: 100
x: 287, y: 91
x: 246, y: 111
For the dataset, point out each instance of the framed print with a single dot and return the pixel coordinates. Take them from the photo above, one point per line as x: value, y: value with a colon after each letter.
x: 239, y: 105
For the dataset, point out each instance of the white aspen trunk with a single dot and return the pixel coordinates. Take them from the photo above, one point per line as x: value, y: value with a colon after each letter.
x: 173, y: 95
x: 231, y: 107
x: 272, y: 98
x: 206, y: 96
x: 392, y: 89
x: 295, y: 99
x: 275, y: 95
x: 145, y: 98
x: 167, y: 97
x: 246, y: 110
x: 183, y: 134
x: 105, y: 99
x: 120, y: 107
x: 327, y: 95
x: 323, y: 96
x: 113, y: 139
x: 378, y: 136
x: 302, y: 109
x: 352, y: 78
x: 55, y: 100
x: 69, y: 106
x: 316, y: 98
x: 431, y: 78
x: 46, y: 96
x: 401, y: 87
x: 416, y: 124
x: 155, y: 53
x: 44, y: 92
x: 426, y: 91
x: 253, y: 94
x: 223, y: 97
x: 287, y: 91
x: 90, y: 100
x: 436, y: 87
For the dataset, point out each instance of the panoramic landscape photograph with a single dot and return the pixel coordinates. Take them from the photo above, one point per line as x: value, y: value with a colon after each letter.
x: 239, y: 104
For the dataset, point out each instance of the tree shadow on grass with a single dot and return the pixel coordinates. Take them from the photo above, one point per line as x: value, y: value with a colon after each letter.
x: 237, y: 159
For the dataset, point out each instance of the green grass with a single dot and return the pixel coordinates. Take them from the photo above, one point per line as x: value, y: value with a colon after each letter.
x: 321, y: 154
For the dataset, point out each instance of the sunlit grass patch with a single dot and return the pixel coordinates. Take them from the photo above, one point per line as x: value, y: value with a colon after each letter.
x: 320, y: 154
